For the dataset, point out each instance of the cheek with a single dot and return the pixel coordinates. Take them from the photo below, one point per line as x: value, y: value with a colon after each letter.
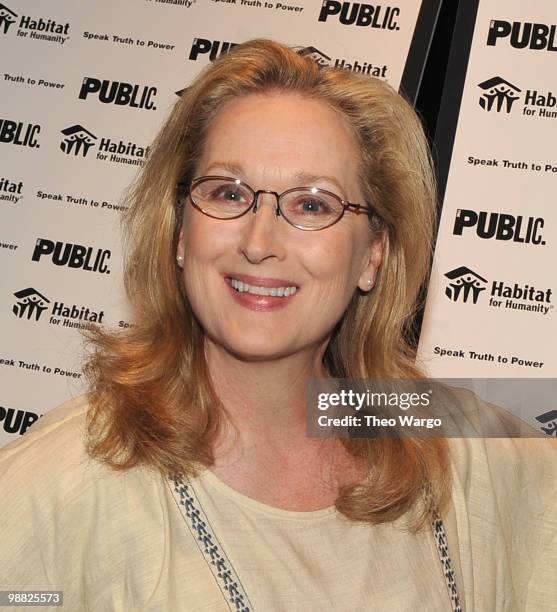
x: 332, y: 270
x: 203, y: 240
x: 199, y: 252
x: 336, y: 263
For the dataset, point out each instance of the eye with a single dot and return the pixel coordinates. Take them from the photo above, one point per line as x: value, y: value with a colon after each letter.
x: 222, y: 193
x: 229, y: 193
x: 313, y: 206
x: 309, y: 205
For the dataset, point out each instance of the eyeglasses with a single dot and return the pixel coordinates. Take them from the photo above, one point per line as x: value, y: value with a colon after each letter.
x: 306, y: 208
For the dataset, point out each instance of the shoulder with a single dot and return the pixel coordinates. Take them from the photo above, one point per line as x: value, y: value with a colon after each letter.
x: 515, y: 469
x: 48, y: 471
x: 495, y: 452
x: 50, y: 461
x: 54, y: 483
x: 62, y: 424
x: 505, y: 500
x: 491, y: 443
x: 70, y: 519
x: 111, y: 539
x: 61, y: 420
x: 504, y: 496
x: 53, y: 448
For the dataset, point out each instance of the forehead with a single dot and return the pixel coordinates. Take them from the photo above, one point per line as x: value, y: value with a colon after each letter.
x: 281, y: 134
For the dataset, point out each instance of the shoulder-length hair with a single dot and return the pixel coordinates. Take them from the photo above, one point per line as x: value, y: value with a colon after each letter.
x: 151, y: 399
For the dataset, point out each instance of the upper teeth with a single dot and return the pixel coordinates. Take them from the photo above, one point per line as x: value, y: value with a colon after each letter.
x: 272, y: 291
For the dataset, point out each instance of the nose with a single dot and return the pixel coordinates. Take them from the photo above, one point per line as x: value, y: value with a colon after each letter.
x: 262, y: 234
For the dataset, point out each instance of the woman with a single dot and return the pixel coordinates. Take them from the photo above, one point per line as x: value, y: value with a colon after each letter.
x: 279, y: 232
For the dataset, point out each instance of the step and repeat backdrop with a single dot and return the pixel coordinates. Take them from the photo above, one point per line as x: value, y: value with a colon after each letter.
x: 84, y: 88
x: 491, y: 304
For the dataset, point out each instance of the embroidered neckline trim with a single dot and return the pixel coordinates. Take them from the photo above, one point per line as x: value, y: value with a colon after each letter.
x: 207, y: 542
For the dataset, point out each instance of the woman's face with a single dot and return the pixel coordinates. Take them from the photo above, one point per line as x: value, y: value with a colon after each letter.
x: 276, y: 142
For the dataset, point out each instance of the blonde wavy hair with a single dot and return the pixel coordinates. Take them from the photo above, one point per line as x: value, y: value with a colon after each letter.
x: 151, y: 398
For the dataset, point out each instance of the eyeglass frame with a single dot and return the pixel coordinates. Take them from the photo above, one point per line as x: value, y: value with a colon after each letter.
x: 351, y: 206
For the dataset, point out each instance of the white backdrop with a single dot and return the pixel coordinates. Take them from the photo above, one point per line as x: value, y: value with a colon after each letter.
x: 84, y: 88
x: 491, y: 304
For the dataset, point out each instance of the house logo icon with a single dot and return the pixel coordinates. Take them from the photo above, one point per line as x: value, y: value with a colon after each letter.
x: 78, y: 140
x: 7, y: 17
x: 30, y: 304
x: 313, y: 53
x: 549, y: 419
x: 498, y: 95
x: 464, y: 285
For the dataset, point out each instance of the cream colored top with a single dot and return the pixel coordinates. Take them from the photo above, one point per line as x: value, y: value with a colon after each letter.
x: 320, y: 560
x: 123, y: 541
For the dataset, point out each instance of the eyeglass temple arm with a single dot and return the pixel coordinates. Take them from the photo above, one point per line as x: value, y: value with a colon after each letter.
x: 352, y: 206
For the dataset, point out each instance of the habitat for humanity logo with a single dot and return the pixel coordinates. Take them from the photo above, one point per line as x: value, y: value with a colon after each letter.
x: 10, y: 191
x: 7, y: 18
x: 322, y: 59
x: 29, y: 27
x: 549, y: 419
x: 31, y: 305
x: 500, y: 95
x: 466, y: 286
x: 79, y: 141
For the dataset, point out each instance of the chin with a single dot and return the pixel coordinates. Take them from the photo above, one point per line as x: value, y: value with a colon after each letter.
x: 257, y: 349
x: 265, y: 345
x: 249, y: 345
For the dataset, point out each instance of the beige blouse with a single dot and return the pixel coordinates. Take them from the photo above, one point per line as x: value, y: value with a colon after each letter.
x: 124, y: 541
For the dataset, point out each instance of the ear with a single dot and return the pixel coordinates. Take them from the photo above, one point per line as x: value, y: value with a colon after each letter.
x: 180, y: 249
x: 366, y: 281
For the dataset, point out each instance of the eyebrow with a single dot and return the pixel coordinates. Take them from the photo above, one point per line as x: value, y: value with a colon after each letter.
x: 227, y: 166
x: 305, y: 178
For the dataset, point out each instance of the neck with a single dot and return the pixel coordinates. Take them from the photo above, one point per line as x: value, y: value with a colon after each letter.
x: 265, y: 401
x: 264, y: 394
x: 264, y: 442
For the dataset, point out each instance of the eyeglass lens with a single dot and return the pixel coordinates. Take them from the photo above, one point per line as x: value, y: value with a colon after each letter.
x: 309, y: 208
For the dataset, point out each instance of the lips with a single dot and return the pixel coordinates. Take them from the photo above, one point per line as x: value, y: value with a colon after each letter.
x: 257, y: 293
x: 259, y: 281
x: 281, y: 291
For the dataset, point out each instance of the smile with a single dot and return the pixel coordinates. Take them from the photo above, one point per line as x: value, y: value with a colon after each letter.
x: 242, y: 287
